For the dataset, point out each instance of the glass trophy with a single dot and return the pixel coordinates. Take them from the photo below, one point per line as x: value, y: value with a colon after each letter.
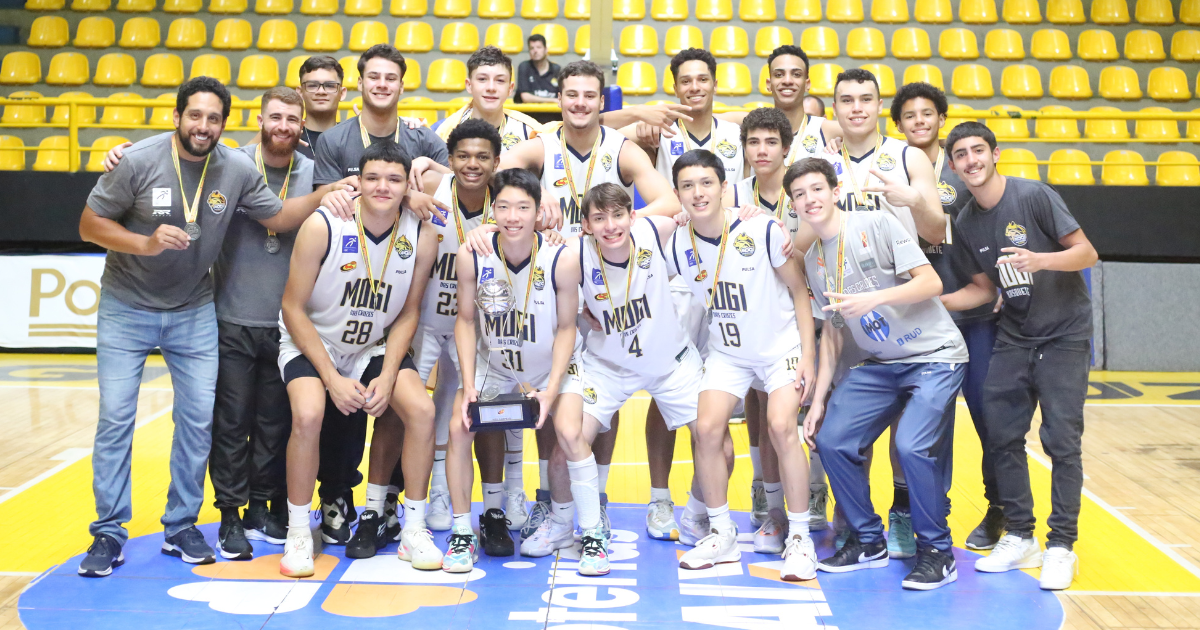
x: 494, y: 411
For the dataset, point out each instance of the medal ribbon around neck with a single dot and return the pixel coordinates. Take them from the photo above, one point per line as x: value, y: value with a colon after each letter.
x: 720, y: 257
x: 854, y: 185
x: 262, y: 168
x: 528, y: 282
x: 362, y: 243
x: 778, y: 203
x: 458, y: 220
x: 687, y: 141
x: 366, y: 139
x: 587, y: 183
x: 937, y: 182
x: 190, y: 213
x: 793, y: 152
x: 629, y: 266
x: 839, y: 279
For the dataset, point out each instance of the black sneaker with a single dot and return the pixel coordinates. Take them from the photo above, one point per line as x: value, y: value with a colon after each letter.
x: 231, y: 537
x: 493, y: 534
x: 855, y: 555
x: 348, y: 506
x: 369, y: 538
x: 102, y: 557
x: 990, y: 529
x: 262, y: 524
x: 189, y: 546
x: 335, y: 526
x: 392, y: 516
x: 934, y: 569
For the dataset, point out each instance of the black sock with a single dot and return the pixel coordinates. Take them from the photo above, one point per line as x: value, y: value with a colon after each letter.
x: 900, y: 498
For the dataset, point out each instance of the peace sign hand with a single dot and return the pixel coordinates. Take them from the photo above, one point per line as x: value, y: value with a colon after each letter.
x: 896, y: 192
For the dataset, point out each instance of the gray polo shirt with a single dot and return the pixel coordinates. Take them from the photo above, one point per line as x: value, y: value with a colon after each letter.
x: 249, y: 280
x: 143, y: 193
x: 340, y: 148
x: 879, y: 254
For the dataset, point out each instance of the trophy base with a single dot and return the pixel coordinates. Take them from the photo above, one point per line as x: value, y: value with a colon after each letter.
x: 506, y: 411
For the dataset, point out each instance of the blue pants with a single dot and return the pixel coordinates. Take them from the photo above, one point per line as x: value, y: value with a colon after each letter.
x: 125, y: 337
x: 862, y: 406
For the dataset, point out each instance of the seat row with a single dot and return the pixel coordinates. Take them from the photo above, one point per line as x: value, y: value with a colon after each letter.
x: 1071, y: 167
x: 52, y: 152
x: 1153, y: 12
x: 1104, y: 130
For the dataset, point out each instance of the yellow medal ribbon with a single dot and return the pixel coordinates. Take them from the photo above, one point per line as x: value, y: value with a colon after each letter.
x: 262, y: 168
x: 528, y: 283
x: 937, y: 181
x: 628, y: 280
x: 778, y: 203
x: 587, y: 183
x: 839, y: 280
x: 362, y: 244
x: 687, y: 142
x: 366, y: 139
x: 854, y: 185
x: 791, y: 156
x: 190, y: 213
x: 720, y: 258
x: 487, y: 201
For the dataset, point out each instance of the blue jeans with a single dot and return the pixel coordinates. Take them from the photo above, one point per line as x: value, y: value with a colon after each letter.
x: 124, y: 339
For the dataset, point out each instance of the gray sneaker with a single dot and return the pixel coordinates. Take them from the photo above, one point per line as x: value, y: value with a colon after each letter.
x: 758, y: 504
x: 605, y: 524
x: 539, y: 513
x: 189, y: 546
x: 989, y: 531
x: 818, y: 507
x: 102, y: 557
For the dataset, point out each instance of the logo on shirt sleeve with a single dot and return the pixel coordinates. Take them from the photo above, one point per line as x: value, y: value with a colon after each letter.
x: 350, y: 244
x: 558, y: 161
x: 487, y: 273
x: 691, y: 257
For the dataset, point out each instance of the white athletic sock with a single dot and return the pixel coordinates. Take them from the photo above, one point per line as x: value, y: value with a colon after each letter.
x: 513, y: 478
x: 462, y: 520
x: 493, y: 496
x: 514, y: 440
x: 718, y: 518
x: 544, y: 475
x: 602, y: 472
x: 439, y: 471
x: 695, y: 506
x: 585, y: 489
x: 564, y: 512
x: 414, y: 513
x: 660, y: 494
x: 298, y: 515
x: 756, y: 462
x: 376, y: 496
x: 774, y: 495
x: 816, y: 470
x: 798, y: 523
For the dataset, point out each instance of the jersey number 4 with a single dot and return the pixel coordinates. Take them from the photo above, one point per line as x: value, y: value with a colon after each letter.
x: 357, y: 333
x: 635, y: 347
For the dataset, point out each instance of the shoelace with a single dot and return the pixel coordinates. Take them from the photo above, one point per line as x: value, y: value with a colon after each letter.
x: 459, y: 543
x: 1007, y: 544
x: 190, y: 535
x: 927, y: 563
x: 663, y: 511
x: 104, y: 545
x: 592, y: 547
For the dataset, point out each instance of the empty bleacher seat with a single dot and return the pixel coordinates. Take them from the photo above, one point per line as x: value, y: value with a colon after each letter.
x: 45, y: 5
x: 162, y: 70
x: 1097, y: 45
x: 1008, y: 128
x: 258, y: 71
x: 802, y: 10
x: 1177, y: 168
x: 933, y: 12
x: 232, y: 34
x: 822, y: 77
x: 539, y: 9
x: 1069, y: 167
x: 273, y: 7
x: 1065, y: 12
x: 911, y: 43
x: 733, y: 79
x: 12, y: 154
x: 769, y: 38
x: 233, y: 7
x: 885, y: 76
x: 412, y: 37
x: 281, y: 36
x: 49, y: 31
x: 577, y: 9
x: 215, y: 66
x: 363, y: 8
x: 1004, y: 44
x: 977, y: 11
x: 844, y: 11
x: 496, y: 9
x: 1056, y: 128
x: 506, y: 36
x: 1022, y: 12
x: 291, y: 76
x: 95, y: 32
x: 68, y: 68
x: 364, y: 34
x: 1144, y: 45
x: 1124, y: 168
x: 412, y: 74
x: 446, y: 75
x: 52, y: 154
x: 1189, y: 12
x: 729, y: 41
x: 971, y: 81
x: 1021, y: 81
x: 1168, y: 84
x: 924, y: 73
x: 639, y: 40
x: 452, y: 8
x: 1185, y: 46
x: 321, y: 7
x: 708, y: 10
x: 952, y: 120
x: 1070, y: 83
x: 24, y: 114
x: 757, y: 10
x: 889, y: 11
x: 1050, y: 44
x: 958, y: 43
x: 1155, y: 129
x: 407, y: 8
x: 583, y: 39
x: 1154, y: 12
x: 186, y: 34
x: 1106, y: 129
x: 637, y: 78
x: 349, y: 65
x: 411, y: 107
x: 124, y: 115
x: 1018, y: 163
x: 630, y: 9
x: 820, y: 42
x: 1110, y: 12
x: 558, y: 41
x: 102, y: 145
x: 140, y: 32
x: 91, y: 5
x: 1119, y: 83
x: 182, y: 6
x: 668, y: 10
x: 229, y: 142
x: 459, y: 37
x: 320, y: 36
x: 866, y: 43
x: 682, y: 37
x: 115, y: 69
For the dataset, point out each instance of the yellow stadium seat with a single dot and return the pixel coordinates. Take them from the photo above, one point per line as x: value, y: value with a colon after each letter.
x: 1022, y: 12
x: 733, y: 79
x: 115, y: 69
x: 713, y: 10
x: 1018, y: 163
x: 322, y: 36
x: 446, y: 75
x: 12, y: 159
x: 681, y: 38
x: 1189, y: 12
x: 1106, y: 129
x: 971, y: 81
x: 291, y: 77
x: 182, y: 6
x: 577, y: 9
x: 1152, y: 129
x: 889, y: 11
x: 1185, y: 46
x: 1097, y: 45
x: 668, y: 10
x: 1177, y: 168
x: 102, y: 145
x: 1168, y: 84
x: 258, y: 71
x: 364, y: 34
x: 452, y: 8
x: 820, y: 42
x: 764, y: 74
x: 412, y: 37
x: 49, y: 31
x: 1144, y: 45
x: 583, y: 39
x: 412, y: 74
x: 639, y: 40
x: 1155, y: 12
x: 162, y: 70
x: 953, y: 121
x: 232, y: 34
x: 24, y: 114
x: 123, y: 115
x: 933, y: 12
x: 406, y: 8
x: 1050, y: 44
x: 90, y: 5
x: 320, y: 7
x: 911, y: 43
x: 757, y: 10
x: 1070, y: 83
x: 410, y: 107
x: 1007, y: 128
x: 349, y: 65
x: 496, y: 9
x: 924, y: 73
x: 802, y: 10
x: 1110, y: 12
x: 215, y: 66
x: 95, y: 32
x: 885, y: 76
x: 186, y: 34
x: 227, y: 6
x: 1021, y: 81
x: 52, y: 154
x: 844, y: 11
x: 977, y: 11
x: 558, y: 41
x: 506, y: 36
x: 729, y: 41
x: 958, y: 43
x: 1004, y: 44
x: 1065, y: 12
x: 1124, y: 168
x: 45, y: 5
x: 769, y: 38
x: 140, y: 32
x: 68, y: 68
x: 823, y: 76
x: 539, y: 9
x: 866, y: 43
x: 363, y: 8
x: 229, y: 142
x: 1056, y: 128
x: 629, y: 10
x: 273, y: 7
x: 459, y: 37
x: 135, y: 6
x: 1069, y: 167
x: 637, y: 78
x: 1119, y: 83
x: 280, y: 35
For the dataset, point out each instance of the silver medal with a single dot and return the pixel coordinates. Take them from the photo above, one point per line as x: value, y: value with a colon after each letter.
x: 271, y: 244
x: 838, y: 320
x: 193, y: 230
x: 490, y: 392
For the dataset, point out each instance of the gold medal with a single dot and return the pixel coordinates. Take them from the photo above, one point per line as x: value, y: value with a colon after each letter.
x: 520, y: 317
x: 458, y: 222
x: 192, y: 212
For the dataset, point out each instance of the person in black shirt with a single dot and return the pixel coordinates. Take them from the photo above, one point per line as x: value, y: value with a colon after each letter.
x: 537, y: 79
x: 322, y: 88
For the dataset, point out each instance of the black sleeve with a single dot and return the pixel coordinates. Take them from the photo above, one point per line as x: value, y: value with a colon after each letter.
x: 522, y: 80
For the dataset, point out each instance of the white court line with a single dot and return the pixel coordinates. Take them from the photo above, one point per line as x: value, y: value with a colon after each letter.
x: 89, y: 388
x: 677, y: 461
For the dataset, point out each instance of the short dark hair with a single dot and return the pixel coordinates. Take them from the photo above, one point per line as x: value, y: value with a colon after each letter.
x: 697, y: 157
x: 856, y: 74
x: 537, y: 37
x: 919, y: 89
x: 474, y: 128
x: 385, y: 151
x: 693, y: 54
x: 970, y: 129
x: 580, y: 69
x: 488, y: 56
x: 386, y: 51
x: 203, y: 84
x: 787, y: 49
x: 322, y: 62
x: 606, y: 196
x: 521, y: 179
x: 803, y: 167
x: 768, y: 118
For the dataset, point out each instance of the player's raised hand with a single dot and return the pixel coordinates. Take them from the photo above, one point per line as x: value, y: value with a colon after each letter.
x: 855, y: 305
x: 424, y: 205
x: 164, y: 238
x: 1022, y: 260
x: 470, y: 395
x: 833, y: 146
x: 648, y: 135
x: 812, y: 422
x: 479, y: 240
x: 348, y: 394
x: 416, y: 174
x: 114, y: 155
x: 550, y: 214
x: 894, y: 190
x: 553, y: 237
x: 340, y: 203
x: 682, y: 218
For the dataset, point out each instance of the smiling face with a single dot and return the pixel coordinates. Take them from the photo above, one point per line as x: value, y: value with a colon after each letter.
x: 280, y: 125
x: 856, y: 106
x: 610, y: 227
x: 581, y: 101
x: 920, y: 122
x: 515, y: 213
x: 384, y: 185
x: 473, y: 163
x: 322, y: 101
x: 788, y: 82
x: 813, y: 197
x: 694, y: 85
x: 199, y: 126
x: 381, y: 84
x: 489, y: 86
x: 764, y: 149
x: 700, y: 191
x: 973, y: 160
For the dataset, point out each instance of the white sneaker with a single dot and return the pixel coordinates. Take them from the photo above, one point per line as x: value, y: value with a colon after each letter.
x: 1012, y: 552
x: 437, y: 515
x: 1059, y: 568
x: 692, y: 528
x: 715, y: 548
x: 297, y: 561
x: 799, y: 560
x: 515, y: 511
x: 769, y: 537
x: 660, y: 520
x: 416, y: 546
x: 549, y: 537
x: 758, y: 504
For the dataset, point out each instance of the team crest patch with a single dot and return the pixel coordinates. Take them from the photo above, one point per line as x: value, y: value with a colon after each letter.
x: 539, y: 278
x: 509, y: 140
x: 350, y: 266
x: 744, y: 245
x: 726, y: 149
x: 600, y: 297
x: 809, y: 143
x: 886, y: 162
x: 946, y: 193
x: 440, y: 237
x: 560, y: 183
x: 701, y: 276
x: 606, y: 162
x: 589, y: 395
x: 1016, y: 234
x: 643, y: 258
x: 404, y: 249
x: 217, y: 202
x: 487, y: 273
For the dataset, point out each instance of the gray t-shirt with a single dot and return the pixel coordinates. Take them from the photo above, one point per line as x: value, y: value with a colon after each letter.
x: 340, y: 148
x: 249, y: 281
x: 954, y: 196
x: 879, y: 253
x: 1041, y: 306
x: 143, y: 193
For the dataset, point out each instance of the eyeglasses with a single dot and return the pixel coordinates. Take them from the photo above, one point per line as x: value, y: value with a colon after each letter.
x: 313, y: 87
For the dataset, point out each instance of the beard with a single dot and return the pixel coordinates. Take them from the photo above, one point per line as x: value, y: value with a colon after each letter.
x: 185, y: 140
x: 274, y: 147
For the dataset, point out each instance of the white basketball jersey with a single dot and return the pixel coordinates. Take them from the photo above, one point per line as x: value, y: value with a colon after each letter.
x: 753, y: 317
x: 743, y: 194
x: 554, y: 173
x: 439, y: 306
x: 889, y: 159
x: 809, y: 141
x: 640, y: 332
x: 513, y: 132
x: 725, y: 141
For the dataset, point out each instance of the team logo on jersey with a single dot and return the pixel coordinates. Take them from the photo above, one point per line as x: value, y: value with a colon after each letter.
x: 643, y: 258
x: 217, y: 202
x: 676, y: 147
x: 1016, y: 234
x: 589, y: 395
x: 809, y: 143
x: 837, y: 166
x: 404, y: 249
x: 606, y: 162
x: 886, y: 162
x: 727, y: 149
x: 597, y: 277
x: 350, y: 244
x: 691, y: 257
x: 539, y: 278
x: 487, y: 273
x: 560, y: 183
x: 558, y: 161
x: 875, y: 326
x: 600, y: 297
x: 946, y: 193
x: 350, y: 266
x: 701, y: 276
x: 744, y: 245
x: 509, y: 140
